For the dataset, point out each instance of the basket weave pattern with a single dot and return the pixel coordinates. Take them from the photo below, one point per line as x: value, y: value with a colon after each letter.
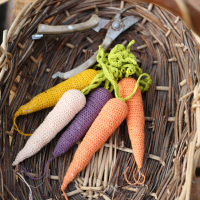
x: 165, y: 48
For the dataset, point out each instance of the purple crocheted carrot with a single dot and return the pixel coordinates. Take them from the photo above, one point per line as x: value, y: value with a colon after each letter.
x: 82, y: 122
x: 79, y: 126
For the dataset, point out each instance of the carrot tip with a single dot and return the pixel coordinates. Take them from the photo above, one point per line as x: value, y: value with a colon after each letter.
x: 17, y: 129
x: 137, y: 182
x: 65, y: 195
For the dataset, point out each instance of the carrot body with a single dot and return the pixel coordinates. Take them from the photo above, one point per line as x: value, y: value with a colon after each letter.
x: 51, y: 96
x: 67, y: 107
x: 110, y: 117
x: 83, y: 120
x: 135, y: 118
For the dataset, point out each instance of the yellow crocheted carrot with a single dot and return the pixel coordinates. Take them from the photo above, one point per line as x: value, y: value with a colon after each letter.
x: 51, y: 96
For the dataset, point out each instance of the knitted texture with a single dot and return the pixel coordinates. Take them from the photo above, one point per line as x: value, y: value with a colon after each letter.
x: 119, y: 63
x: 135, y: 118
x: 67, y: 107
x: 51, y: 96
x: 83, y: 120
x: 110, y: 77
x: 110, y: 117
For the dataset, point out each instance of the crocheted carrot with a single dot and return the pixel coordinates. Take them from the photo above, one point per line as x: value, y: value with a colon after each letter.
x: 51, y: 96
x: 110, y: 117
x: 79, y: 126
x: 67, y: 107
x: 82, y: 122
x: 135, y: 122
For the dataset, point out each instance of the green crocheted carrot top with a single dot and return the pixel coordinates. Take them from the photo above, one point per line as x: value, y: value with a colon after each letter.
x: 116, y: 65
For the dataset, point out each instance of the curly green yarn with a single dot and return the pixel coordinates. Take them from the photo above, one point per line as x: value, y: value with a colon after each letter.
x: 117, y: 64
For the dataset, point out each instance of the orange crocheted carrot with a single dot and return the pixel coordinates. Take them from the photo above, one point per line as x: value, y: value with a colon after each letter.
x: 110, y: 117
x: 135, y: 121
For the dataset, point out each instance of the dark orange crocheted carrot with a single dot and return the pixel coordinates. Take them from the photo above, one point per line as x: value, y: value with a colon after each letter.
x: 110, y: 117
x: 135, y: 122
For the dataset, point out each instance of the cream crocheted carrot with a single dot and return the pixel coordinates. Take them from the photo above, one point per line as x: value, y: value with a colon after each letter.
x: 50, y: 97
x: 67, y: 107
x: 135, y: 122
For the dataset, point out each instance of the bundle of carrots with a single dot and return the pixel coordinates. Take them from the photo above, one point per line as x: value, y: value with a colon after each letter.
x: 33, y: 145
x: 50, y: 97
x: 110, y: 117
x: 119, y: 64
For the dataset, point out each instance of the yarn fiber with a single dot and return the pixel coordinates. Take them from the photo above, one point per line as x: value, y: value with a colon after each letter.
x: 83, y: 120
x: 119, y: 63
x: 67, y: 107
x: 51, y: 96
x: 110, y: 117
x: 135, y: 118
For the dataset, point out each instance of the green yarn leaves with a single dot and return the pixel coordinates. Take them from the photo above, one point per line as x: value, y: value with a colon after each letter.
x: 114, y: 66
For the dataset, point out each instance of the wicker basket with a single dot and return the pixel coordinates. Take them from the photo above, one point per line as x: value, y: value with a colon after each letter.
x: 18, y: 6
x: 165, y: 48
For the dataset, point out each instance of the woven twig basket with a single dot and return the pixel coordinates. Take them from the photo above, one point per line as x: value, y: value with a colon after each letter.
x: 165, y: 49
